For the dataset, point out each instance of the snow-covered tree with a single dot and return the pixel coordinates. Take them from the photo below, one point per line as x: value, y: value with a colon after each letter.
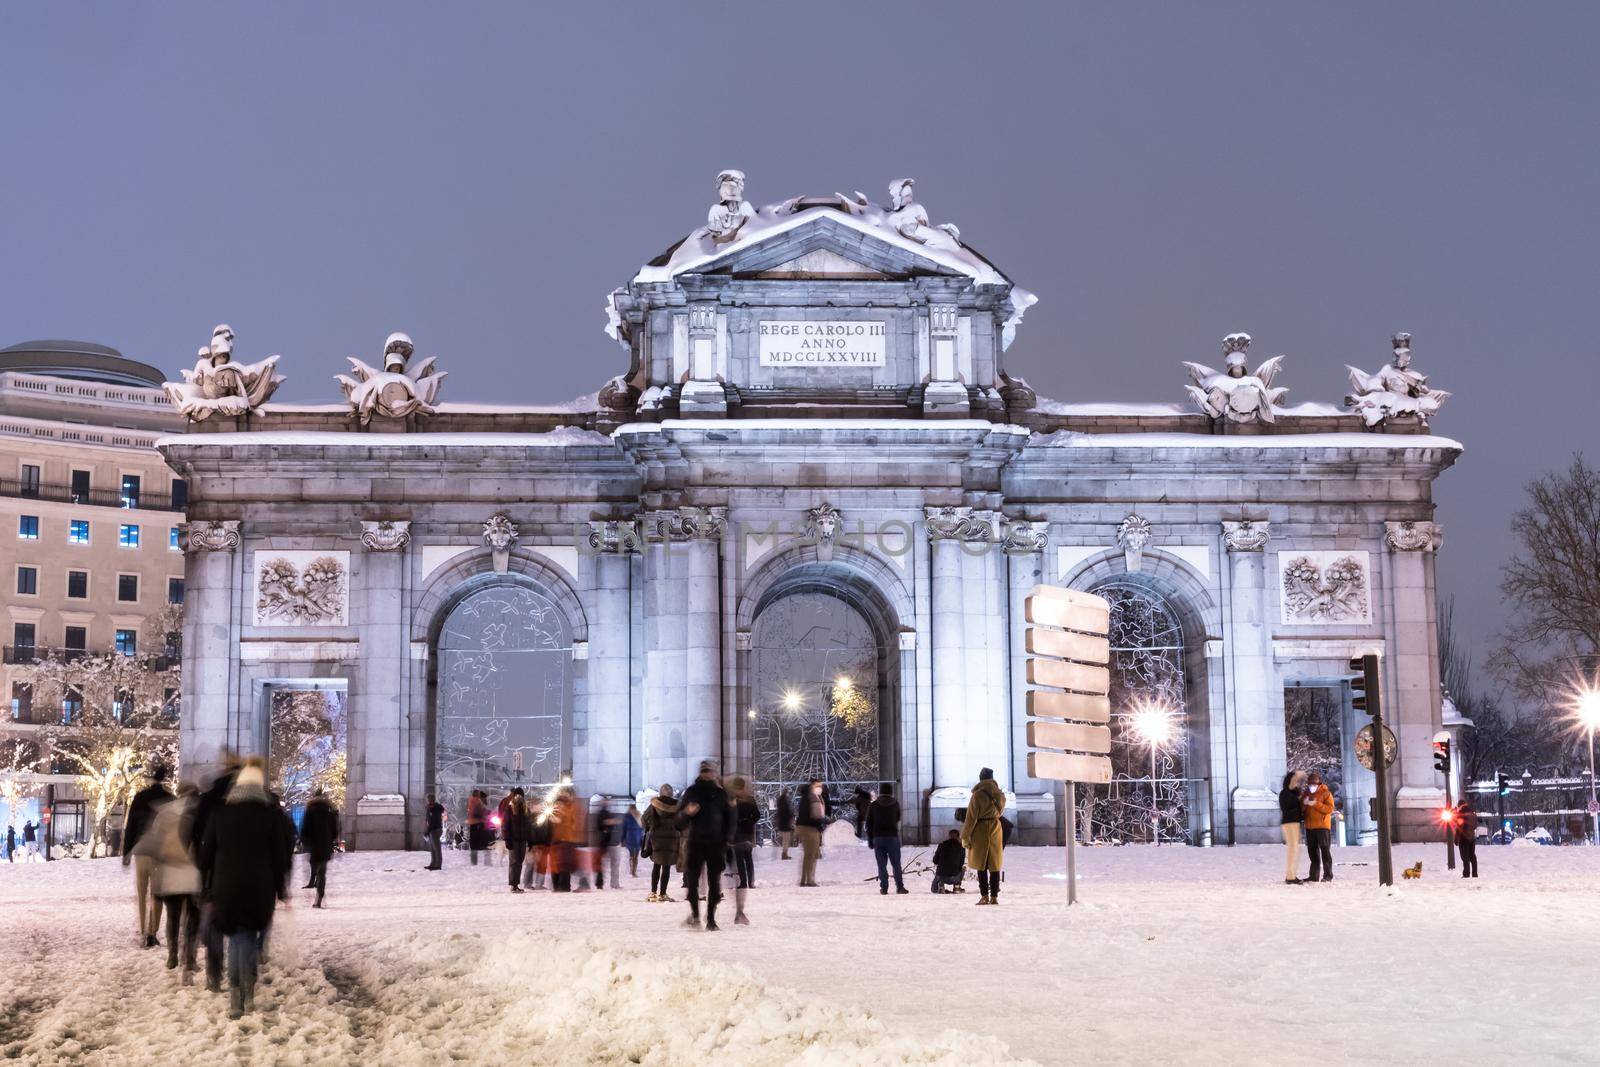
x: 307, y: 751
x: 19, y: 762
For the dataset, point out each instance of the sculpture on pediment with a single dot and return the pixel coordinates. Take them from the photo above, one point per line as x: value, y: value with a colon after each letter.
x: 219, y: 386
x: 1396, y: 391
x: 729, y: 214
x: 395, y: 391
x: 910, y: 219
x: 1234, y: 393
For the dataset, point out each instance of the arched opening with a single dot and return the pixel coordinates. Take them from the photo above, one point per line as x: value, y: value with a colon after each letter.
x: 1152, y: 743
x: 822, y: 684
x: 504, y: 694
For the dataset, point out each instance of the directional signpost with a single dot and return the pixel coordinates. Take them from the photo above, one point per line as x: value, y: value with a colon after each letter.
x: 1069, y: 740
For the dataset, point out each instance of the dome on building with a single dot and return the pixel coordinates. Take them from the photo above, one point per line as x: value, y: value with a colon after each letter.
x: 80, y: 360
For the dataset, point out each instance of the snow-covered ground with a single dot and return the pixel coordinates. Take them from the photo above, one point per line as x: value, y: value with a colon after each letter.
x: 1174, y: 955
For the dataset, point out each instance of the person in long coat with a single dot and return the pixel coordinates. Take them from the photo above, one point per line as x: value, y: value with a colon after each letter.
x: 246, y: 851
x: 517, y: 832
x: 319, y: 832
x: 661, y: 834
x: 982, y: 835
x: 176, y: 881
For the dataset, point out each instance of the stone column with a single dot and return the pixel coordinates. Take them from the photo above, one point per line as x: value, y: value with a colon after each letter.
x: 683, y: 724
x: 377, y: 698
x: 988, y: 712
x: 665, y: 756
x: 949, y: 649
x: 1411, y: 702
x: 703, y: 529
x: 1256, y: 759
x: 1024, y: 546
x: 607, y: 729
x: 210, y: 643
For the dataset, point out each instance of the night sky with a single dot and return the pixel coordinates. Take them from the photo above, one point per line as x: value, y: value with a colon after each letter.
x: 481, y: 176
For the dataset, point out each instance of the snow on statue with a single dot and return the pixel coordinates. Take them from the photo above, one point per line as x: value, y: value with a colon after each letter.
x: 1396, y: 391
x: 394, y: 392
x: 218, y: 386
x: 1235, y: 394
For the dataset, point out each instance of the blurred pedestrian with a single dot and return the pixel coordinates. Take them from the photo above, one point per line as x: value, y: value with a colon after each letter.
x: 30, y: 842
x: 661, y: 839
x: 537, y: 866
x: 1466, y: 829
x: 861, y: 800
x: 517, y: 832
x: 746, y: 815
x: 176, y: 880
x: 783, y: 821
x: 949, y: 864
x: 815, y: 811
x: 707, y: 821
x: 982, y: 835
x: 477, y: 824
x: 319, y: 833
x: 246, y: 849
x: 1291, y: 814
x: 633, y: 838
x: 567, y: 833
x: 1317, y: 803
x: 211, y: 800
x: 433, y: 831
x: 607, y: 829
x: 141, y: 813
x: 11, y: 843
x: 883, y: 833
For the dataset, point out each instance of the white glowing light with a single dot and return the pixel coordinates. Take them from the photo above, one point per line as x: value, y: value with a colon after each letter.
x: 792, y: 700
x: 1153, y: 724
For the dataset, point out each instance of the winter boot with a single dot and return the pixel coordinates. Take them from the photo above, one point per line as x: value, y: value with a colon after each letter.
x: 739, y: 917
x: 693, y: 921
x: 983, y: 899
x: 235, y: 1003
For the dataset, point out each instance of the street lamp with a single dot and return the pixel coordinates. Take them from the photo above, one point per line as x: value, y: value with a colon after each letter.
x: 1587, y: 706
x: 1153, y: 724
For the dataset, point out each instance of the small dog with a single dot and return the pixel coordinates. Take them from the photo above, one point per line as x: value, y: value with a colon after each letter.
x: 1412, y: 872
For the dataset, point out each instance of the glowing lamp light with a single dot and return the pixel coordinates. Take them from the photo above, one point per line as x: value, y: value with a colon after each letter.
x: 495, y: 819
x: 791, y: 700
x: 1153, y: 724
x: 1587, y: 704
x: 844, y: 683
x: 751, y: 713
x: 1447, y: 816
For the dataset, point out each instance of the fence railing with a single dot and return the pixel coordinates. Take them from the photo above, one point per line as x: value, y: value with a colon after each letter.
x: 100, y: 498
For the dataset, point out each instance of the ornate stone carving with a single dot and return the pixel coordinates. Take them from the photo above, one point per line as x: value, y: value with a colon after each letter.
x: 386, y: 535
x: 686, y: 524
x: 1246, y: 535
x: 203, y: 536
x: 615, y: 537
x: 959, y: 524
x: 218, y: 386
x: 1017, y: 394
x: 910, y: 220
x: 1413, y: 536
x: 1325, y: 588
x: 1395, y: 392
x: 499, y: 534
x: 1021, y: 537
x: 821, y: 527
x: 1235, y: 394
x: 302, y: 588
x: 727, y: 216
x: 394, y: 392
x: 743, y: 641
x: 1133, y: 534
x: 942, y: 319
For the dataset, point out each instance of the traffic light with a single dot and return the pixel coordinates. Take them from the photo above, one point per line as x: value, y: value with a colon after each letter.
x: 1502, y: 783
x: 1441, y: 756
x: 1365, y: 684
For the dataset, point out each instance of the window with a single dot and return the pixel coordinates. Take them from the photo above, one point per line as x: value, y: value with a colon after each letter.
x: 22, y: 635
x: 80, y: 487
x: 78, y: 532
x: 21, y: 701
x: 174, y: 590
x: 180, y: 494
x: 78, y: 585
x: 77, y: 638
x: 128, y: 535
x: 28, y: 527
x: 71, y: 705
x: 127, y: 642
x: 30, y: 480
x: 172, y: 540
x: 127, y: 587
x: 130, y: 490
x: 169, y: 704
x: 122, y: 705
x: 28, y: 581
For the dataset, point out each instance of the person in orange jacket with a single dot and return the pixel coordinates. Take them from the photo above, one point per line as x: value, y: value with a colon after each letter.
x: 1318, y: 801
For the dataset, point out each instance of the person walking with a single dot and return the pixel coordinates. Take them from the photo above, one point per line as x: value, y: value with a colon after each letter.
x: 883, y: 833
x: 538, y: 863
x: 707, y: 820
x: 176, y: 881
x: 746, y: 815
x: 30, y: 843
x: 141, y: 813
x: 632, y: 838
x: 982, y: 835
x: 1317, y: 802
x: 1291, y: 814
x: 11, y: 843
x: 319, y: 833
x: 783, y: 821
x: 568, y: 833
x: 815, y: 811
x: 861, y: 800
x: 211, y: 800
x: 661, y: 840
x: 1466, y: 830
x: 433, y: 831
x: 517, y: 832
x: 246, y: 849
x: 949, y: 864
x: 477, y: 824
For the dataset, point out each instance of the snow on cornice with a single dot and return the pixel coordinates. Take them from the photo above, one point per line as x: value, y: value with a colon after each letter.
x: 1074, y: 439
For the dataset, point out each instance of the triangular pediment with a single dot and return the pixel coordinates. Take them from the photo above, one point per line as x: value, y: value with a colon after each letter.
x: 823, y: 246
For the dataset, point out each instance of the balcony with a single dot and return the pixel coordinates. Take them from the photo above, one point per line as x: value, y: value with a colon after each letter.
x: 23, y: 655
x: 98, y: 498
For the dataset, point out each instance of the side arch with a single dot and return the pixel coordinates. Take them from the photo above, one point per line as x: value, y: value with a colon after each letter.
x: 471, y: 571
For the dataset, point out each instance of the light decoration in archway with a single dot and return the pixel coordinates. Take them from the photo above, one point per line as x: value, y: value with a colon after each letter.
x: 849, y: 704
x: 792, y: 700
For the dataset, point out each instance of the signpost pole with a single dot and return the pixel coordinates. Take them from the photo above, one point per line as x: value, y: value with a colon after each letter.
x: 1069, y: 798
x: 1380, y: 773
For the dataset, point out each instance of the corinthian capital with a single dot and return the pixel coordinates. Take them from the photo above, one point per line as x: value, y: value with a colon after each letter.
x: 687, y: 524
x: 202, y: 536
x: 1246, y: 535
x: 386, y: 535
x: 960, y: 524
x: 1413, y: 536
x: 614, y: 537
x: 1022, y: 538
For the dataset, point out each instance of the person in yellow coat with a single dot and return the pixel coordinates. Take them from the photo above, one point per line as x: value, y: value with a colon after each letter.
x: 982, y: 835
